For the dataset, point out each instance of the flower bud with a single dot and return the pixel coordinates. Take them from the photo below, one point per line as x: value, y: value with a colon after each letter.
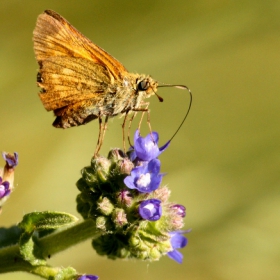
x: 112, y: 245
x: 119, y: 218
x: 101, y: 223
x: 105, y: 206
x: 116, y: 155
x: 124, y: 197
x: 101, y: 166
x: 126, y: 166
x: 177, y: 213
x: 7, y: 176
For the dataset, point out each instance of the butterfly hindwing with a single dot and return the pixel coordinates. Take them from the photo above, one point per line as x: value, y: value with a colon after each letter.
x: 67, y: 80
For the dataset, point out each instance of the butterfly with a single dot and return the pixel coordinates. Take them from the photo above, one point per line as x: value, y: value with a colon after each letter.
x: 80, y: 81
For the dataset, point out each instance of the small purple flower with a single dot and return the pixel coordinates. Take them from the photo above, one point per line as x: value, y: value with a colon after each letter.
x: 88, y: 277
x: 177, y: 241
x: 180, y: 209
x: 11, y: 160
x: 4, y: 188
x: 146, y: 148
x: 145, y: 178
x: 150, y: 209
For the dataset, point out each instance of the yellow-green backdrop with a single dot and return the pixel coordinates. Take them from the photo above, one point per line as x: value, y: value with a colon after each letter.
x: 224, y: 163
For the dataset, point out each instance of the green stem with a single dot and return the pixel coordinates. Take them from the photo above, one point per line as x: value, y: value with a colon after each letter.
x: 61, y: 240
x: 11, y: 260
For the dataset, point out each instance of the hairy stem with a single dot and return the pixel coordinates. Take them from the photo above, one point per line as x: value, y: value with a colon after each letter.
x: 11, y: 259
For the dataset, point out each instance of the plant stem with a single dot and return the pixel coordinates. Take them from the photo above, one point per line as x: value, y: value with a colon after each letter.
x: 61, y: 240
x: 11, y: 259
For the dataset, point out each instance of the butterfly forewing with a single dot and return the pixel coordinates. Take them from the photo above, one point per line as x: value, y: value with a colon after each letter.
x: 55, y: 36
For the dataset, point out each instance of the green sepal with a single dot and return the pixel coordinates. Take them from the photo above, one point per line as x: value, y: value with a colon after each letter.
x: 46, y: 220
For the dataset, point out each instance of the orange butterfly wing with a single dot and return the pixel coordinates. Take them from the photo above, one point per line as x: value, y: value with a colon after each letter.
x: 72, y: 68
x: 55, y: 36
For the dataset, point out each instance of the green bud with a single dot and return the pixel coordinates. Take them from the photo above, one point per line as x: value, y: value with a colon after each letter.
x: 126, y: 166
x: 119, y: 218
x: 147, y: 245
x: 89, y: 176
x: 83, y: 207
x: 101, y: 223
x: 112, y: 245
x: 116, y: 155
x: 101, y: 166
x: 162, y: 194
x: 105, y: 206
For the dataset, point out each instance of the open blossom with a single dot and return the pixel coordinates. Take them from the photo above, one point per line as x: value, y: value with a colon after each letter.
x: 145, y: 178
x: 150, y: 209
x: 146, y: 148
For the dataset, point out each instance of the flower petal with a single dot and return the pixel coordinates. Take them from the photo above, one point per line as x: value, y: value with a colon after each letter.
x: 146, y: 148
x: 176, y: 256
x: 178, y: 240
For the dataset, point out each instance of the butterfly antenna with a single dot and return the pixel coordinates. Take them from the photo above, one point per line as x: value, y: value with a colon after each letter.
x: 189, y: 108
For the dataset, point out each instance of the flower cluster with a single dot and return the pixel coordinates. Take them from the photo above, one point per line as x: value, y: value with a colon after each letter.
x: 123, y: 195
x: 7, y: 176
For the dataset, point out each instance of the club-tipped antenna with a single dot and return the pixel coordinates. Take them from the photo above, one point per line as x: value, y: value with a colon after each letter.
x: 189, y: 108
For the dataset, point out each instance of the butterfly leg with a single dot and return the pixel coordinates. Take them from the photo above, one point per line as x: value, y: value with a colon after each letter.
x: 101, y: 135
x: 104, y: 130
x: 123, y: 130
x: 144, y: 110
x: 98, y: 145
x: 129, y: 126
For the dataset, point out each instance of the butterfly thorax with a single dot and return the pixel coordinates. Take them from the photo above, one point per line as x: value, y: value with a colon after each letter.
x: 132, y: 91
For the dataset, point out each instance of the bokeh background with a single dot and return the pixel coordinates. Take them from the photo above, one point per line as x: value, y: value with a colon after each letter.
x: 223, y: 165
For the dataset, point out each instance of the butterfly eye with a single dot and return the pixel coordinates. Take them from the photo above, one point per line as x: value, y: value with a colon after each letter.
x: 143, y: 85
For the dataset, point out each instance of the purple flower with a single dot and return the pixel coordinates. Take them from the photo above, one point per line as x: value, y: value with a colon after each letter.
x: 150, y: 209
x: 177, y: 241
x: 88, y: 277
x: 145, y: 178
x: 11, y: 160
x: 4, y: 188
x: 146, y: 149
x: 180, y: 209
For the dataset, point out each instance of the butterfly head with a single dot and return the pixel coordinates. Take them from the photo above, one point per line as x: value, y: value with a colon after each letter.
x: 147, y: 85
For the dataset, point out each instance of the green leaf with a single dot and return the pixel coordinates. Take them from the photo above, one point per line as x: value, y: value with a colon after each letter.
x: 46, y: 220
x: 40, y: 221
x: 29, y: 250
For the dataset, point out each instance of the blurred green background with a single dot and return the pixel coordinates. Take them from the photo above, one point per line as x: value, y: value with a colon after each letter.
x: 224, y: 163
